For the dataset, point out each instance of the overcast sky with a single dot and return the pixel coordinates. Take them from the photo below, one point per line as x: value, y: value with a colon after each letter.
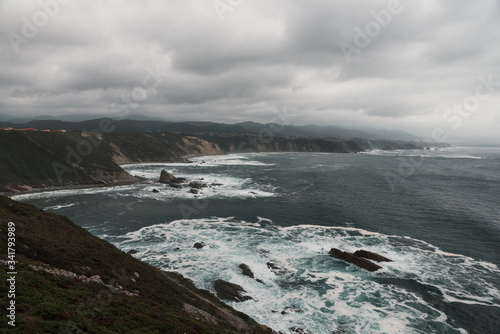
x: 409, y: 65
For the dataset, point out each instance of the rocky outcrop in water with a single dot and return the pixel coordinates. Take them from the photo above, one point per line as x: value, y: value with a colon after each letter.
x: 197, y: 185
x: 248, y: 272
x: 230, y: 291
x: 167, y: 178
x: 371, y: 256
x: 356, y: 260
x: 199, y: 245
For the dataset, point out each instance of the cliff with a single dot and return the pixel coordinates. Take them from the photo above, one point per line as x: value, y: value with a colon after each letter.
x: 46, y: 159
x: 69, y: 281
x: 42, y: 159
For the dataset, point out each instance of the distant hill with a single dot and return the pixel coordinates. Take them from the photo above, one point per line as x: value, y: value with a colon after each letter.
x: 149, y: 125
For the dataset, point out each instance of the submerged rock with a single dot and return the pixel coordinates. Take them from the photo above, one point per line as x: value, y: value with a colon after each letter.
x: 356, y: 260
x: 246, y: 270
x: 275, y: 269
x: 156, y: 191
x: 199, y: 245
x: 230, y: 291
x: 197, y: 185
x: 291, y: 309
x: 193, y: 191
x: 371, y: 256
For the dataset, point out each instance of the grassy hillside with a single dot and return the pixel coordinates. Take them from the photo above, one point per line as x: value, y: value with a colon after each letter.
x: 129, y: 296
x: 39, y: 159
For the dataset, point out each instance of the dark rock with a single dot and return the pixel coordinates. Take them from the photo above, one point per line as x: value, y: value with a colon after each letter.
x: 356, y: 260
x: 371, y: 256
x: 197, y: 185
x: 298, y: 330
x: 199, y: 245
x: 246, y: 270
x: 291, y: 309
x: 177, y: 249
x: 166, y: 177
x: 176, y: 185
x: 132, y: 251
x: 216, y: 184
x: 156, y: 191
x: 272, y: 266
x: 230, y: 291
x: 194, y: 191
x: 275, y: 269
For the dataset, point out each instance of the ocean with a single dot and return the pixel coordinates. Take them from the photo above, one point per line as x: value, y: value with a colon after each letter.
x: 435, y: 213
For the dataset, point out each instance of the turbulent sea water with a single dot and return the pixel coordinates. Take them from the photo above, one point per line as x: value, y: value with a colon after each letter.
x: 435, y: 213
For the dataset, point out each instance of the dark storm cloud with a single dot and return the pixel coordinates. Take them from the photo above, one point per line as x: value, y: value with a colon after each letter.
x: 185, y: 60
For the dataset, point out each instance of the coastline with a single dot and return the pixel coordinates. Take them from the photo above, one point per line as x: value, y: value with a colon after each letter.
x: 116, y: 183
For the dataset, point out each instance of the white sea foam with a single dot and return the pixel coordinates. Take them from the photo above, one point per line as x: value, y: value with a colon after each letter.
x: 69, y: 192
x: 218, y: 186
x: 227, y: 160
x: 57, y: 207
x: 330, y: 293
x: 444, y: 154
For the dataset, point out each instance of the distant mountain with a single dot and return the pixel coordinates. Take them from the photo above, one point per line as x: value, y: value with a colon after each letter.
x: 143, y: 124
x: 72, y: 118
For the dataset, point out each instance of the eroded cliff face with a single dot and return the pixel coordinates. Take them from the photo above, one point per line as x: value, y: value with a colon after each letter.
x: 198, y: 146
x: 46, y: 159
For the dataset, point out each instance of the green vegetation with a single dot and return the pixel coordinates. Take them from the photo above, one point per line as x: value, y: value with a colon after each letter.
x: 133, y: 297
x: 39, y: 159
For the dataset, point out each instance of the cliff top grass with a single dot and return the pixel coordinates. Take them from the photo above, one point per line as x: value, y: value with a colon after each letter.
x: 129, y: 296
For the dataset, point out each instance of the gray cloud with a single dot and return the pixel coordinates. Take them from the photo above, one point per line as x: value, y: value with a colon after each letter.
x: 261, y: 56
